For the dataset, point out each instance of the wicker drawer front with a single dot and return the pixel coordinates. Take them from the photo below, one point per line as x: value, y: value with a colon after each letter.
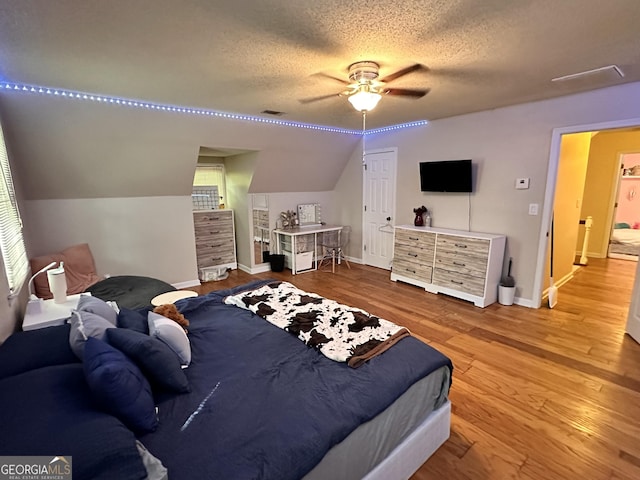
x: 457, y: 281
x: 412, y: 239
x: 412, y: 269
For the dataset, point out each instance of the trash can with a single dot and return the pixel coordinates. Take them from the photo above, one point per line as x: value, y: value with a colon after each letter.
x: 277, y: 262
x: 506, y: 294
x: 265, y: 256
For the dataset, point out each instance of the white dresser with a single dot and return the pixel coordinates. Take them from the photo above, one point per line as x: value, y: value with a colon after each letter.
x: 466, y: 265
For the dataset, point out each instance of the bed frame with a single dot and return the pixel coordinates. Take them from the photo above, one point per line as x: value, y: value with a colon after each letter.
x: 409, y: 456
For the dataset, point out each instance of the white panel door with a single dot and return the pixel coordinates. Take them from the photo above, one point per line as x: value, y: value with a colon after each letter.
x: 633, y: 319
x: 379, y: 208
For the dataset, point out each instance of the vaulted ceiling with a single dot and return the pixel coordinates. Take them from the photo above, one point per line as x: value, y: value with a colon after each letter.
x: 248, y: 56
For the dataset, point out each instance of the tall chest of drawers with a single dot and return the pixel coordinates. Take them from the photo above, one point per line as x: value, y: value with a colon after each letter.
x: 215, y: 239
x: 466, y: 265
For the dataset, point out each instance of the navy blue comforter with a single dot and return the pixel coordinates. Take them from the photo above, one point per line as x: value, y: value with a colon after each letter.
x: 265, y: 406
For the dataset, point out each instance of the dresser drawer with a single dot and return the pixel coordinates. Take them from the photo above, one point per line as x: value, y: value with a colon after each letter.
x: 213, y: 259
x: 418, y: 271
x: 215, y: 243
x: 457, y: 281
x: 477, y: 247
x: 414, y: 254
x: 218, y: 217
x: 462, y: 255
x: 412, y: 239
x: 214, y: 236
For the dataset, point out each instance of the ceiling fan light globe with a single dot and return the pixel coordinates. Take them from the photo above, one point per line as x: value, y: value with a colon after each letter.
x: 364, y: 101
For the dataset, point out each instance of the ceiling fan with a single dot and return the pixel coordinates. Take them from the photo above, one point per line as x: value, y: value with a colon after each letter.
x: 364, y: 89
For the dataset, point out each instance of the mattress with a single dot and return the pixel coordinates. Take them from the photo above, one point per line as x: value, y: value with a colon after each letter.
x: 626, y: 236
x: 372, y: 442
x: 267, y: 406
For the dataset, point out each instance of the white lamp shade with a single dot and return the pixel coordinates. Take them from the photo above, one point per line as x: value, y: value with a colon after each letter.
x: 364, y: 101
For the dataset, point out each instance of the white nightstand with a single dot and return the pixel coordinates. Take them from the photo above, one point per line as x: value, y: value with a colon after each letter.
x: 50, y: 313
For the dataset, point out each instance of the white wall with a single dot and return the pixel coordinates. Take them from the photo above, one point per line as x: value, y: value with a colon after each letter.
x: 148, y: 236
x: 504, y: 144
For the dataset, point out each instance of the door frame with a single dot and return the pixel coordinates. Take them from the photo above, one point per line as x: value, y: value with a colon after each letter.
x: 364, y: 192
x: 550, y: 191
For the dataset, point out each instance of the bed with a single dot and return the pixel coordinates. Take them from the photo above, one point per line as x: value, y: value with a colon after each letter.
x: 254, y: 402
x: 625, y: 241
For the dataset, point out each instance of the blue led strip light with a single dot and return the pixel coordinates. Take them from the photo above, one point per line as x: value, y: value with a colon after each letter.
x: 34, y: 89
x: 417, y: 123
x: 59, y: 92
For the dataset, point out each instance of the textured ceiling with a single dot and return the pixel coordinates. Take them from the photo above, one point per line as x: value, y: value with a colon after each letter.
x: 245, y: 56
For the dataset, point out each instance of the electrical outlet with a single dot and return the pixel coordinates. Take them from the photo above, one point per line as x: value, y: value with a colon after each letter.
x: 533, y: 209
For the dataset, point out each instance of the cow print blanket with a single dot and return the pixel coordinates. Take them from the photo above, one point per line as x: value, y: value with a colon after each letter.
x: 341, y: 333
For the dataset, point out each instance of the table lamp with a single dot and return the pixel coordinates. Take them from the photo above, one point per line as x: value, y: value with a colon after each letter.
x: 35, y: 303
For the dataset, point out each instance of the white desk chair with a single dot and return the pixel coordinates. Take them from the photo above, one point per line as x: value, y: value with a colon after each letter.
x: 333, y: 244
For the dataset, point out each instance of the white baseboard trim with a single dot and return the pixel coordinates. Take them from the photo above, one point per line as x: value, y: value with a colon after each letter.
x: 257, y: 269
x: 525, y: 302
x: 187, y: 284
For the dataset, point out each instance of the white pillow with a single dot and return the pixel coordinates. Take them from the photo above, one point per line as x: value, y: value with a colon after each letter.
x: 172, y: 334
x: 84, y: 325
x: 87, y: 303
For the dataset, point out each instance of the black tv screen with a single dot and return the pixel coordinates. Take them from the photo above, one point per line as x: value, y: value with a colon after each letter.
x: 446, y: 176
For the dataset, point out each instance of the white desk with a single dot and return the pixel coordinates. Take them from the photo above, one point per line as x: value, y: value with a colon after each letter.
x: 49, y: 313
x: 291, y: 236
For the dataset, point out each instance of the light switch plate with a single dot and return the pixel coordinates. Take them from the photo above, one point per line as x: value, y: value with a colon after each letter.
x: 522, y: 183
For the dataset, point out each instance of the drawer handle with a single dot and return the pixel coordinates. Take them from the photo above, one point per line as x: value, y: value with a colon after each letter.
x: 409, y: 270
x: 460, y: 264
x: 414, y: 238
x: 212, y: 233
x: 216, y: 245
x: 460, y: 245
x: 413, y: 255
x: 456, y: 282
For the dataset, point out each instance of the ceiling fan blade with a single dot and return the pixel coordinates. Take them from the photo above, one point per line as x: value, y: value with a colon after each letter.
x: 392, y: 76
x: 407, y: 92
x: 331, y: 77
x: 316, y: 99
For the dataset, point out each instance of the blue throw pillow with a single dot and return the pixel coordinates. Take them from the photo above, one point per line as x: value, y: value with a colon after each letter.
x: 119, y: 386
x: 133, y: 320
x: 24, y: 351
x: 156, y: 360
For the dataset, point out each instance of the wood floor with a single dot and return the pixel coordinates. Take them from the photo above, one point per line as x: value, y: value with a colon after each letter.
x: 537, y: 393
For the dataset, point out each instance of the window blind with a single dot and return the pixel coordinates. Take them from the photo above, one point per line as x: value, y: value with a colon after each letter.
x: 14, y: 254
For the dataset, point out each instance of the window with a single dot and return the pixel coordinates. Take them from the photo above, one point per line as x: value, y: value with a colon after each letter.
x: 209, y: 176
x: 14, y: 254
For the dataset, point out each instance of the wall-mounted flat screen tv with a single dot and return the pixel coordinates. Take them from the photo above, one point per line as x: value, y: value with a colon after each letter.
x: 446, y: 176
